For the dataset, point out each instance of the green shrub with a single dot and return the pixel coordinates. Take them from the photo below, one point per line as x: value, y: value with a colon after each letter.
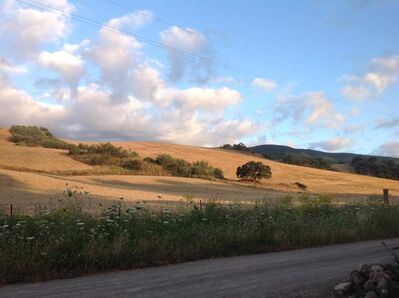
x: 218, y: 173
x: 182, y: 168
x: 103, y: 154
x: 133, y: 164
x: 37, y: 137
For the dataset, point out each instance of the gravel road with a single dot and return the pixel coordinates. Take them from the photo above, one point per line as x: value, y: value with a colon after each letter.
x: 310, y: 272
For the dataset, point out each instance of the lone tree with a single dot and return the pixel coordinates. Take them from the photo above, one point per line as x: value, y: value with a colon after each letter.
x: 254, y: 171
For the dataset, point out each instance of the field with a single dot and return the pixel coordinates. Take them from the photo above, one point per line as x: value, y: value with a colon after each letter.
x: 31, y: 176
x: 98, y: 221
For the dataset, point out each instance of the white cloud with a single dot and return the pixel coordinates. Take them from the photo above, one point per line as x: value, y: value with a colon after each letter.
x: 355, y: 93
x: 69, y: 66
x: 265, y: 84
x: 388, y: 64
x: 388, y: 149
x: 377, y: 80
x: 207, y: 98
x: 7, y: 68
x: 115, y: 54
x: 188, y: 54
x: 21, y: 108
x: 134, y: 20
x: 384, y: 72
x: 311, y: 109
x: 321, y: 110
x: 122, y: 96
x: 333, y: 144
x: 27, y: 29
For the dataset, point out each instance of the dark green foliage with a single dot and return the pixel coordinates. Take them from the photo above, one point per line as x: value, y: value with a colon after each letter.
x: 218, y: 173
x: 149, y: 160
x: 318, y: 163
x: 253, y: 170
x: 67, y: 242
x: 133, y: 164
x: 237, y: 147
x: 109, y: 149
x: 36, y: 137
x: 182, y: 168
x: 374, y: 166
x: 175, y: 166
x: 103, y: 154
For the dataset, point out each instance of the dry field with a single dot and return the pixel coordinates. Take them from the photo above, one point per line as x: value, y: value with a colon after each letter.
x: 27, y: 177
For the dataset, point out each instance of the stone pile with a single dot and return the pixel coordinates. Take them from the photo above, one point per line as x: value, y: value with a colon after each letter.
x: 371, y: 281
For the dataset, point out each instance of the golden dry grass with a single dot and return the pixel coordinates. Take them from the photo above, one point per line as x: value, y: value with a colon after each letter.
x: 28, y: 188
x: 35, y: 158
x: 284, y: 175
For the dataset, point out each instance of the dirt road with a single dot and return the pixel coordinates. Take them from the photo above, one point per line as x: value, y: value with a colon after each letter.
x: 310, y: 272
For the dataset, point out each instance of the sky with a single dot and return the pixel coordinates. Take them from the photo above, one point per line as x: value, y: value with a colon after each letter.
x: 309, y: 74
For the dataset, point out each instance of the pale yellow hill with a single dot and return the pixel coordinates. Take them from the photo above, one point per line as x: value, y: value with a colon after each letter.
x: 284, y: 175
x: 19, y: 185
x: 34, y: 158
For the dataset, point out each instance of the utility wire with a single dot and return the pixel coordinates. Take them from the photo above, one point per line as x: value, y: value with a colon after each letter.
x: 161, y: 20
x: 245, y: 52
x: 154, y: 43
x: 133, y: 36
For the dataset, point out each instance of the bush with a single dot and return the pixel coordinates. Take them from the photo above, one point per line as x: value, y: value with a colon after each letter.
x: 218, y: 173
x: 253, y: 170
x: 103, y: 154
x: 111, y: 150
x: 34, y: 136
x: 133, y: 164
x: 182, y: 168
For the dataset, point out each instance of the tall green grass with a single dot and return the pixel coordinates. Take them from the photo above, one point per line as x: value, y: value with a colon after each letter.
x: 66, y: 242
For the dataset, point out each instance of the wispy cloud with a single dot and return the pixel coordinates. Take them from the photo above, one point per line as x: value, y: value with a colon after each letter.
x: 333, y: 144
x: 265, y: 84
x: 383, y: 71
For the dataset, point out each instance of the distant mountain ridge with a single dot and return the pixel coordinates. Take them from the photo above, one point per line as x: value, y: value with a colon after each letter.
x: 278, y: 151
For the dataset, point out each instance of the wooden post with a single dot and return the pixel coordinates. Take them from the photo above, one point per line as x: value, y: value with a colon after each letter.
x: 386, y: 196
x: 10, y: 209
x: 201, y: 206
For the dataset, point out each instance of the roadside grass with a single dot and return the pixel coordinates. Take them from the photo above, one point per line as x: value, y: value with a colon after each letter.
x: 66, y: 241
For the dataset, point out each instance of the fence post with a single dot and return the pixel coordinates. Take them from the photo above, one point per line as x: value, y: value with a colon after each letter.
x: 10, y: 209
x: 386, y: 196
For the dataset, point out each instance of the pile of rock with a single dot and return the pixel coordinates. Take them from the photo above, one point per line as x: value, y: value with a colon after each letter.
x: 371, y: 281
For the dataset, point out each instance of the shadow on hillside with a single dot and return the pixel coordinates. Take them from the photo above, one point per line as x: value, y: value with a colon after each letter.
x: 181, y: 188
x: 20, y: 196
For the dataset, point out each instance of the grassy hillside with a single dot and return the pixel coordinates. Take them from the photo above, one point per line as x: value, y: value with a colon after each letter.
x: 284, y: 175
x: 30, y: 188
x: 17, y: 157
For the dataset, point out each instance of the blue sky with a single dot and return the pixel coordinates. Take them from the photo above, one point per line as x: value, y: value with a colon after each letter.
x: 310, y: 74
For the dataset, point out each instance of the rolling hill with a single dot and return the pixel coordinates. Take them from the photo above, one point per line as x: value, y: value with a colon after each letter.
x: 277, y: 151
x: 30, y: 174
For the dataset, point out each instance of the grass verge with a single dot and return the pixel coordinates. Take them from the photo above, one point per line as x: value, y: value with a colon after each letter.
x: 67, y: 242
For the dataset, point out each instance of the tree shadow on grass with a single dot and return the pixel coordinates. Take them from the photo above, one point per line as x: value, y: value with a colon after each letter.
x: 18, y: 194
x: 180, y: 188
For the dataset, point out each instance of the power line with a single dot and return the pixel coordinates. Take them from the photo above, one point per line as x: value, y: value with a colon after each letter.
x: 161, y: 20
x: 127, y: 34
x: 245, y: 52
x: 134, y: 36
